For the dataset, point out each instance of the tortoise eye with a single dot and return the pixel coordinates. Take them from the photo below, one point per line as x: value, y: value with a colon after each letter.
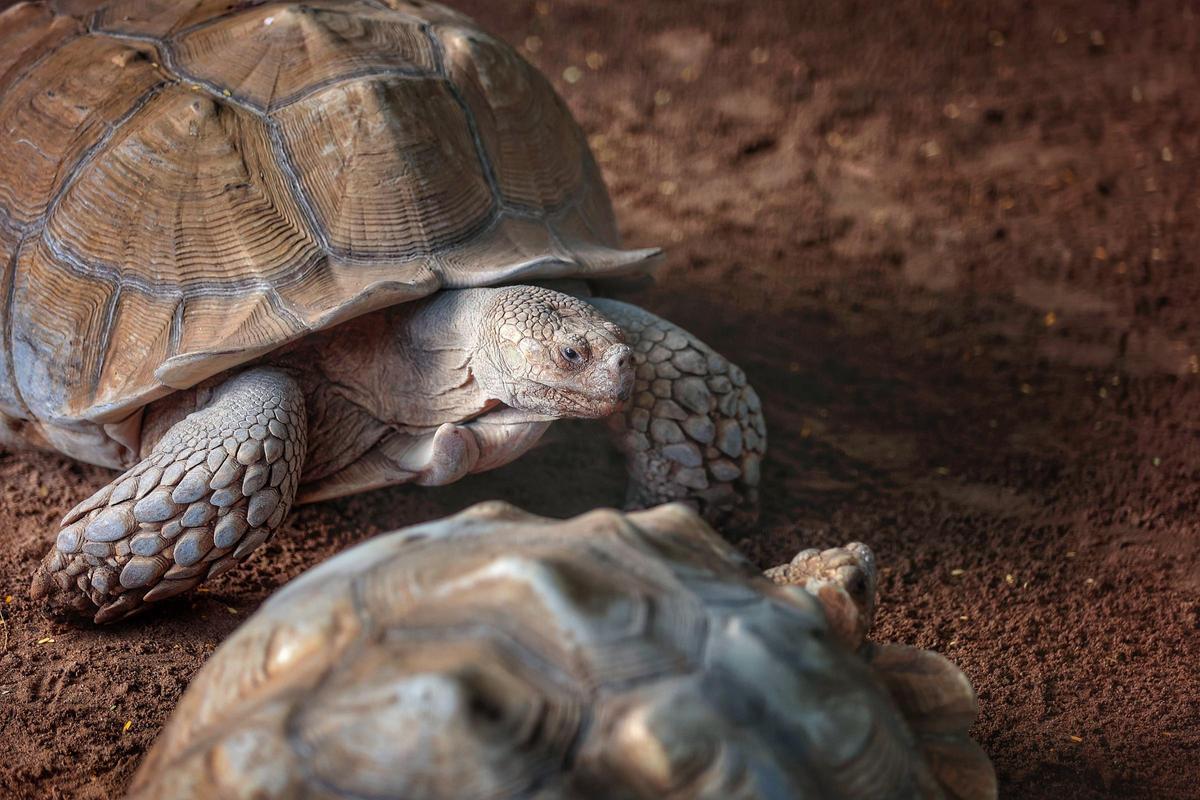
x: 572, y: 355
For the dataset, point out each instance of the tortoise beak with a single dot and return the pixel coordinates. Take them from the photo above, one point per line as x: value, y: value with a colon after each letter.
x: 620, y: 368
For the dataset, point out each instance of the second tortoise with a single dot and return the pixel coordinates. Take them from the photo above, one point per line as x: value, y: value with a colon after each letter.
x: 497, y: 654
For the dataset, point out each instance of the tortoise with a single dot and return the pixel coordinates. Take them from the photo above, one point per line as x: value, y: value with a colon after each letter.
x: 257, y: 254
x: 500, y: 654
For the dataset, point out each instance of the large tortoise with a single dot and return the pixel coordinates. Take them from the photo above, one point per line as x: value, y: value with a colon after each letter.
x: 497, y: 654
x: 263, y: 253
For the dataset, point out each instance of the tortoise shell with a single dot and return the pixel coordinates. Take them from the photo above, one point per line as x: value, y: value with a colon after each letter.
x: 498, y: 654
x: 190, y: 185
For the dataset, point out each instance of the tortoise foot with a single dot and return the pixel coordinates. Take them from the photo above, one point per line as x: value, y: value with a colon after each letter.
x: 216, y: 486
x: 694, y: 430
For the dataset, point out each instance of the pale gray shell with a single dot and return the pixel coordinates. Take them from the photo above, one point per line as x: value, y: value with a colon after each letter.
x: 497, y: 654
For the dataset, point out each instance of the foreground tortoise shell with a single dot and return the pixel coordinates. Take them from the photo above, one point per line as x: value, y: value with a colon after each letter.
x: 188, y: 185
x: 498, y: 654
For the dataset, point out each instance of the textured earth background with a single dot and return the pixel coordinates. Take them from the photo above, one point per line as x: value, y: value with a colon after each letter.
x: 954, y: 244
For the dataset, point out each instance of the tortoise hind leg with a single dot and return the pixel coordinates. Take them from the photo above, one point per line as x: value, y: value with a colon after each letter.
x: 216, y: 486
x: 694, y: 429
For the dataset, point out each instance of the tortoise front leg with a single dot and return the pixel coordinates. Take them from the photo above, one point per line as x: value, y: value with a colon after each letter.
x: 693, y: 430
x: 216, y: 486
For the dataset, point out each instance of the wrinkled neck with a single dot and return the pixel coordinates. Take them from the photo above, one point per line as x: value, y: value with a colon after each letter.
x: 449, y: 319
x: 408, y: 365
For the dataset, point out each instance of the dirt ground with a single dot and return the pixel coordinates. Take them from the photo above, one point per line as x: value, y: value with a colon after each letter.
x: 954, y: 246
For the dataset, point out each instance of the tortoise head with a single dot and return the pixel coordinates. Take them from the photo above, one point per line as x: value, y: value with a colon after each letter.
x: 844, y: 580
x: 551, y: 353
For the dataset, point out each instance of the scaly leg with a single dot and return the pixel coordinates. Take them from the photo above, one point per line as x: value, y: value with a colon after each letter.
x: 216, y: 486
x: 694, y: 429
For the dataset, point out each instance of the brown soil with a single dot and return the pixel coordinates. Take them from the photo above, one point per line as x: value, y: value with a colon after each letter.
x: 953, y: 244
